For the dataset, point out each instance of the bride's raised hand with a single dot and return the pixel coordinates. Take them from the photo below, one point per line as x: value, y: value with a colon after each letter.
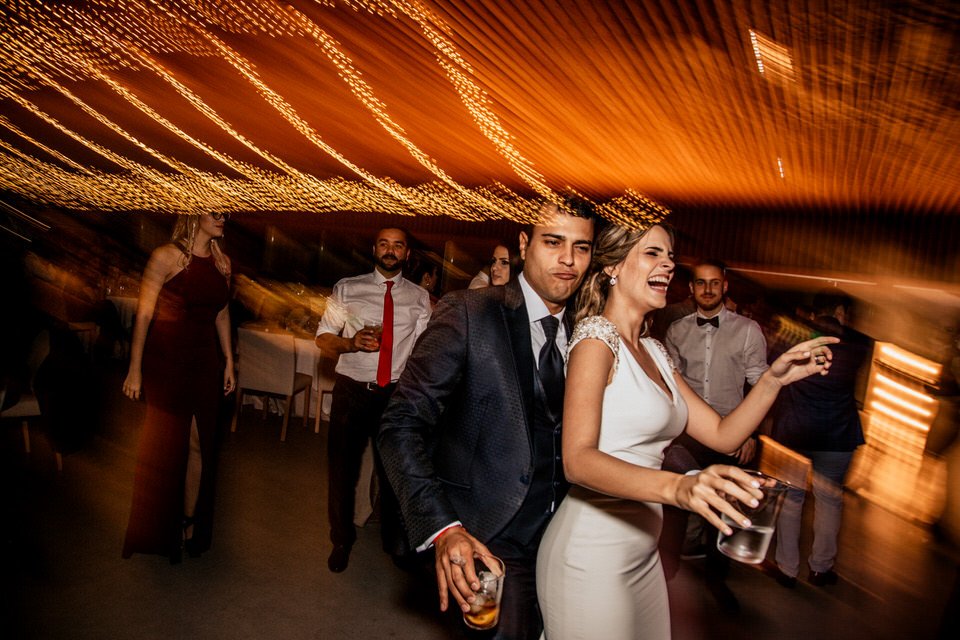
x: 803, y: 359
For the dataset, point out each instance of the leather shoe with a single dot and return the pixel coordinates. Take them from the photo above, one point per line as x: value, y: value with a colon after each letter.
x: 191, y: 548
x: 771, y: 569
x: 822, y: 578
x: 694, y: 552
x: 784, y: 580
x: 339, y: 557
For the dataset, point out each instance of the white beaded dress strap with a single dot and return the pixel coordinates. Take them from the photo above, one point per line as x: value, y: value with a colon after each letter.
x: 666, y: 355
x: 598, y: 328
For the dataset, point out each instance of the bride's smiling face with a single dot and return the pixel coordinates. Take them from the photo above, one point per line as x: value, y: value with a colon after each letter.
x: 644, y: 275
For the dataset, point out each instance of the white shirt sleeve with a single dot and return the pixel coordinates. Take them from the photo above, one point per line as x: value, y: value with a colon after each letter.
x: 754, y: 354
x: 429, y: 541
x: 334, y: 317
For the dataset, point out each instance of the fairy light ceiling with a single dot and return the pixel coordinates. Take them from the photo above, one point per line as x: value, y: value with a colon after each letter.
x: 475, y: 109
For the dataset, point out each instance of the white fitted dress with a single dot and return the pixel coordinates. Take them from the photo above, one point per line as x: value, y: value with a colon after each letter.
x: 598, y: 569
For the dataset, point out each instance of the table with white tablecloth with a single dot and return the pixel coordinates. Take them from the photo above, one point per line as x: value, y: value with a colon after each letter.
x: 310, y: 362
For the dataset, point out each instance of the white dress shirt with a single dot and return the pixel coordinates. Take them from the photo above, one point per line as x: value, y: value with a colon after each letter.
x: 481, y: 280
x: 358, y: 301
x: 536, y: 311
x: 716, y: 360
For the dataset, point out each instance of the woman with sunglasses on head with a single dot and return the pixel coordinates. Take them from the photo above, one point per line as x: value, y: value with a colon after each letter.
x: 181, y: 361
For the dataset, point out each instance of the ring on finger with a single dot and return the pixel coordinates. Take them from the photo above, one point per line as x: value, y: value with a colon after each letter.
x: 457, y: 560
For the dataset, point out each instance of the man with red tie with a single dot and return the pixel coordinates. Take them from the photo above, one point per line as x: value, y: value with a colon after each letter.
x: 371, y: 323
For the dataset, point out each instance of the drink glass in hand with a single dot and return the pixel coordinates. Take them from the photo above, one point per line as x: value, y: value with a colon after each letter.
x: 484, y: 611
x: 750, y: 544
x: 376, y: 330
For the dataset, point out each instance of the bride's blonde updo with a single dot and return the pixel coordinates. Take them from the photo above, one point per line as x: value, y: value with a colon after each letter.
x: 610, y: 248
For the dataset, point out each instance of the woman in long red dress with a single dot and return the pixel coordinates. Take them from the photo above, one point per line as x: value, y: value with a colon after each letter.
x: 181, y: 360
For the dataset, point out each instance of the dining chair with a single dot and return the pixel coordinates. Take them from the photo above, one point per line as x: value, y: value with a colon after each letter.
x: 87, y: 333
x: 267, y: 365
x: 28, y: 405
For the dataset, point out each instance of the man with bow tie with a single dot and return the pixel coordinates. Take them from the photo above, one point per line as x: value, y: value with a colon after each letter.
x: 716, y: 351
x: 714, y: 348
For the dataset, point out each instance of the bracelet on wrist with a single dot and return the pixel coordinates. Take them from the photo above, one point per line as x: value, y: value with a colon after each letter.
x: 445, y: 531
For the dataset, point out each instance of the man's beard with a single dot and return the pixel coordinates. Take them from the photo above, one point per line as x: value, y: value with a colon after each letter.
x: 395, y: 266
x: 711, y: 306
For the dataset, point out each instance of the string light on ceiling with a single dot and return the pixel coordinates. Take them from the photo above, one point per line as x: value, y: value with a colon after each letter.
x: 48, y: 46
x: 477, y: 109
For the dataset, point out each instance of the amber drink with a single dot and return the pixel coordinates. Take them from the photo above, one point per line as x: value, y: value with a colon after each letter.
x: 484, y: 611
x: 376, y: 330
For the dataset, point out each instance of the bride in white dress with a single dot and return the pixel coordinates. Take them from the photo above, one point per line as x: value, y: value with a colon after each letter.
x: 598, y: 569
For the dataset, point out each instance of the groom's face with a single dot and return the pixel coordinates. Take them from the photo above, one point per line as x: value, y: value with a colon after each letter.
x: 556, y: 256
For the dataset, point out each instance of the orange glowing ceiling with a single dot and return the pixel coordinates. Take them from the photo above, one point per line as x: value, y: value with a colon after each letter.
x: 474, y: 108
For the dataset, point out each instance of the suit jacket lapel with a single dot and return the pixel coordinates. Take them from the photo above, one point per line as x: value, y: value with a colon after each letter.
x: 518, y: 327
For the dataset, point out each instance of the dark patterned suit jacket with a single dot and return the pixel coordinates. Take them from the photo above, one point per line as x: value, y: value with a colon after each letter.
x: 455, y: 438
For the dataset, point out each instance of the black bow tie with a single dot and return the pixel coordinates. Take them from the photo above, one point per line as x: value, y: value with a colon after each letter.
x: 715, y: 321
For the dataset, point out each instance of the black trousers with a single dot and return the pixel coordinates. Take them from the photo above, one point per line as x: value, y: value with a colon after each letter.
x: 520, y: 617
x: 354, y: 421
x: 684, y: 455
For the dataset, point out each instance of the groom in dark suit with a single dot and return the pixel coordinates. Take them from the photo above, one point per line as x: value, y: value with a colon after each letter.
x: 471, y: 438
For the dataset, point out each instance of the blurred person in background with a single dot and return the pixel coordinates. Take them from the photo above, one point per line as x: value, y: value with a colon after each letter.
x: 805, y: 313
x: 425, y: 273
x: 503, y: 266
x: 717, y: 352
x: 181, y: 363
x: 64, y: 316
x: 368, y: 367
x: 819, y: 418
x: 942, y: 441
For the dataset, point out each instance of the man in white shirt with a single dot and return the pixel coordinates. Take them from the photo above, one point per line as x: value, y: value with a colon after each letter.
x: 371, y: 323
x: 716, y: 351
x: 714, y: 348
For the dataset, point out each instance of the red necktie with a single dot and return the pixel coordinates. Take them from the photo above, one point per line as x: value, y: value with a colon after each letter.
x: 385, y: 365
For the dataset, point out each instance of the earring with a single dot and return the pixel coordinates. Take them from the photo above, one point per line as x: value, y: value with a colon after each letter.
x: 613, y: 281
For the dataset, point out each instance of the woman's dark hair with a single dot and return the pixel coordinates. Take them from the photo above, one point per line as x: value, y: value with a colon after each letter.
x: 516, y: 264
x: 418, y: 266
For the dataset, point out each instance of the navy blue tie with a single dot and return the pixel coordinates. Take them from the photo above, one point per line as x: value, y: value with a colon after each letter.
x: 550, y: 364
